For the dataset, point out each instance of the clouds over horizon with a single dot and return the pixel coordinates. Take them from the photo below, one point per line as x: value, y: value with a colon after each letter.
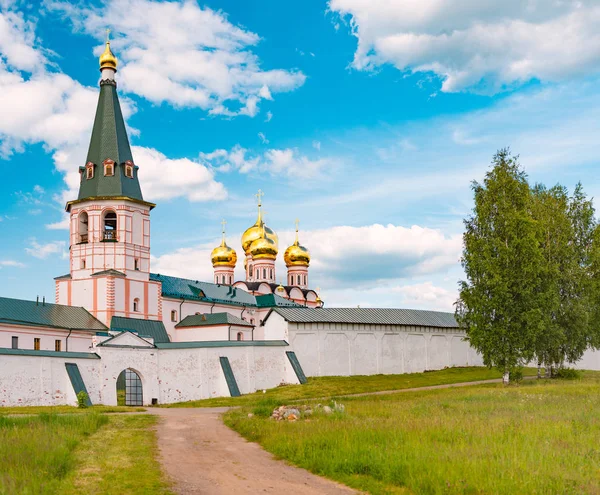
x: 184, y: 54
x: 472, y: 45
x: 350, y: 262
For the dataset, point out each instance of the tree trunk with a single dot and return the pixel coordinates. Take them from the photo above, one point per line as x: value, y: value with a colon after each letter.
x: 506, y: 378
x: 539, y: 371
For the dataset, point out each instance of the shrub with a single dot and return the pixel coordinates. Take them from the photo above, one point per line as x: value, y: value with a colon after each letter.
x: 82, y: 400
x: 516, y: 375
x: 567, y: 374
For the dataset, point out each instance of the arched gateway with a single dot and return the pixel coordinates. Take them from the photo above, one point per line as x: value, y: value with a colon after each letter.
x: 129, y: 389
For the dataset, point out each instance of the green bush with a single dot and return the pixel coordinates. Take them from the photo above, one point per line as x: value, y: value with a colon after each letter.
x: 567, y: 374
x: 516, y: 375
x: 82, y: 400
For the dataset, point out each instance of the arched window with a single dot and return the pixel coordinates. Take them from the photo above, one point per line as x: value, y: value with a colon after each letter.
x: 136, y: 305
x: 83, y: 227
x: 109, y: 168
x: 264, y: 273
x: 299, y: 280
x: 110, y: 226
x: 136, y: 264
x: 129, y: 389
x: 240, y: 336
x: 83, y: 263
x: 89, y: 170
x: 250, y: 270
x: 129, y: 169
x: 173, y: 315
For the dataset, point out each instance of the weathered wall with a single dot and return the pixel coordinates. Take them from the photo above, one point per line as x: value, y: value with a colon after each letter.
x: 358, y: 349
x: 169, y: 375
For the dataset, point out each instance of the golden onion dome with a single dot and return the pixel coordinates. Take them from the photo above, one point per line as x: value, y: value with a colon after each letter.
x: 263, y: 248
x: 223, y: 255
x: 296, y: 255
x: 256, y: 231
x: 108, y: 59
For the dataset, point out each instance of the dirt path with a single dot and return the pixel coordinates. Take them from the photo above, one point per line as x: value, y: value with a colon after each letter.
x: 201, y: 455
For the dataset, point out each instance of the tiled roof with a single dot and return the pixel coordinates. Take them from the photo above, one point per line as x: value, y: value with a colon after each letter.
x: 376, y: 316
x: 109, y: 141
x: 32, y: 313
x: 144, y: 328
x: 223, y: 343
x: 60, y: 354
x: 195, y: 290
x: 204, y: 320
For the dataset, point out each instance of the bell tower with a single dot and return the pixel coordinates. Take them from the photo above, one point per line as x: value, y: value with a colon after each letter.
x: 110, y: 221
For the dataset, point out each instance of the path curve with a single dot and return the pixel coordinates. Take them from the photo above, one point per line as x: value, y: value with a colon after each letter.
x: 201, y: 455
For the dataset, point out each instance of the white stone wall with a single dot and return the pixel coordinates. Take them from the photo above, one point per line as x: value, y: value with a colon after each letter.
x: 169, y: 375
x: 325, y: 349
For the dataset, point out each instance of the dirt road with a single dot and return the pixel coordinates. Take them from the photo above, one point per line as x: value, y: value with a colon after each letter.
x: 201, y: 455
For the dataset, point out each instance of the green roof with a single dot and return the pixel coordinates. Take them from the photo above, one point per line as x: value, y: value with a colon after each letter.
x: 109, y: 141
x: 195, y: 290
x: 144, y: 328
x: 32, y: 313
x: 223, y: 343
x: 31, y: 352
x: 372, y: 316
x: 205, y: 320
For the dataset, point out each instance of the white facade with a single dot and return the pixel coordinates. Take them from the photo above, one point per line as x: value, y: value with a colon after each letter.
x: 75, y: 341
x: 343, y: 349
x: 168, y: 375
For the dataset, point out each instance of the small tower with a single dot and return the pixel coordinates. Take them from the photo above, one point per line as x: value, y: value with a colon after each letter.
x: 263, y: 253
x: 297, y: 259
x: 223, y: 260
x: 252, y: 234
x: 110, y: 221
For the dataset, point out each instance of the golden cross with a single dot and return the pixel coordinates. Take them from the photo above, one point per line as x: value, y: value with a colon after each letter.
x: 108, y: 35
x: 223, y: 223
x: 259, y: 195
x: 297, y: 222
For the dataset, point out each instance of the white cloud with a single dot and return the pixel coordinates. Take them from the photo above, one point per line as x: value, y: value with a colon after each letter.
x: 288, y: 162
x: 42, y: 106
x: 263, y: 138
x: 184, y: 54
x: 165, y: 178
x: 11, y: 263
x: 367, y: 265
x: 481, y: 45
x: 269, y: 116
x: 316, y: 145
x: 43, y: 251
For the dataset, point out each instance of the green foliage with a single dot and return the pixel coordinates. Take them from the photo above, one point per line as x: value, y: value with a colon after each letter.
x: 82, y: 400
x: 567, y: 374
x: 532, y: 260
x: 516, y: 375
x: 498, y: 304
x: 538, y: 438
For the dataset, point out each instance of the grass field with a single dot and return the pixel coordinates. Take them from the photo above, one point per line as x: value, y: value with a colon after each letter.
x: 536, y: 438
x: 78, y: 453
x: 336, y: 386
x: 11, y: 411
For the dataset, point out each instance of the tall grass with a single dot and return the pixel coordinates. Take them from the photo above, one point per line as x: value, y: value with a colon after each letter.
x: 335, y: 386
x: 36, y: 452
x: 538, y: 438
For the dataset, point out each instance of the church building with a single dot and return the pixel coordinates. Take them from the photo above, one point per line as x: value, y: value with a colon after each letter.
x: 174, y: 339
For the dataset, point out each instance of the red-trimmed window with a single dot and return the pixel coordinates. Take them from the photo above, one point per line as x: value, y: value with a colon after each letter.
x: 89, y: 170
x: 129, y: 169
x: 109, y: 168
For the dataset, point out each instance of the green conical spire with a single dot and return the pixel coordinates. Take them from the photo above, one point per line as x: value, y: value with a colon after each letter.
x: 109, y: 142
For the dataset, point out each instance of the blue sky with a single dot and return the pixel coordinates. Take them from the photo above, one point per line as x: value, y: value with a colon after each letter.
x: 365, y: 119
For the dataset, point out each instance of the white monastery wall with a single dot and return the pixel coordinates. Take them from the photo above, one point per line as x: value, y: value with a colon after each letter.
x: 169, y: 375
x: 332, y: 349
